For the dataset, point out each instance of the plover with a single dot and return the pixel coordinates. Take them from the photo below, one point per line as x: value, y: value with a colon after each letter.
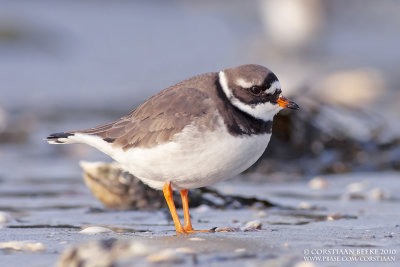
x: 192, y: 134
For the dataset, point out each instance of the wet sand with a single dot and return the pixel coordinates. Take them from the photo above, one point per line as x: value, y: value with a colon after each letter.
x: 348, y: 212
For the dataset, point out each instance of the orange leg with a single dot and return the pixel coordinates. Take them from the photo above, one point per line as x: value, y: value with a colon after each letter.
x: 188, y: 225
x: 185, y: 204
x: 167, y: 190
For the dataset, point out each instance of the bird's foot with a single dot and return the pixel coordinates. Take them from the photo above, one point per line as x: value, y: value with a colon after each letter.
x: 199, y: 231
x: 192, y: 231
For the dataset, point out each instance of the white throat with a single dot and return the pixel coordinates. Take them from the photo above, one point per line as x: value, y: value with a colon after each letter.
x: 264, y: 111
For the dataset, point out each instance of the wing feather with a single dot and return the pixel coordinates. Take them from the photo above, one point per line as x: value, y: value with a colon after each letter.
x: 158, y: 119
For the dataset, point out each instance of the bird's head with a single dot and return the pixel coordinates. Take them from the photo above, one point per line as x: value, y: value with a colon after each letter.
x: 254, y: 90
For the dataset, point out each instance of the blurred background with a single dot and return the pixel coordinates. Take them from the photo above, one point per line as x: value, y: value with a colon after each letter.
x: 68, y: 65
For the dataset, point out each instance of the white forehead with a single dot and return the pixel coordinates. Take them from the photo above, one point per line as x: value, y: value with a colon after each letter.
x: 275, y: 85
x: 247, y: 84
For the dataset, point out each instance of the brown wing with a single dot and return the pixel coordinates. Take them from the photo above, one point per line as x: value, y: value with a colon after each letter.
x: 158, y: 119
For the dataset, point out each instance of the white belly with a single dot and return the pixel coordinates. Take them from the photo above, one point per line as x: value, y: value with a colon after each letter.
x: 193, y: 159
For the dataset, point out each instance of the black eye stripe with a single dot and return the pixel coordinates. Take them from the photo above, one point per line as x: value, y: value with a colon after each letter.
x: 271, y: 78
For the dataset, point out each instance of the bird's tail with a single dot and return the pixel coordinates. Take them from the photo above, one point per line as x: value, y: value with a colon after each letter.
x: 60, y: 138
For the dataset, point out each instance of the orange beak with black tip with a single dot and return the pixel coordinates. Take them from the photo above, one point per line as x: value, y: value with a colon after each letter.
x: 286, y: 103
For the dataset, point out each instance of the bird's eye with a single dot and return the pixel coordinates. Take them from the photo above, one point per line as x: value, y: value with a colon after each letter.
x: 255, y: 90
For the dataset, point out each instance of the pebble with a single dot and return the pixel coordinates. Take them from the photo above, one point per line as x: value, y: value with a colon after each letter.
x: 334, y: 217
x: 240, y: 250
x: 23, y: 245
x: 357, y: 187
x: 252, y: 226
x: 106, y: 252
x: 139, y: 249
x: 92, y: 230
x: 305, y: 205
x: 261, y: 214
x: 318, y: 183
x: 4, y: 217
x: 378, y: 194
x: 165, y: 256
x: 227, y: 229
